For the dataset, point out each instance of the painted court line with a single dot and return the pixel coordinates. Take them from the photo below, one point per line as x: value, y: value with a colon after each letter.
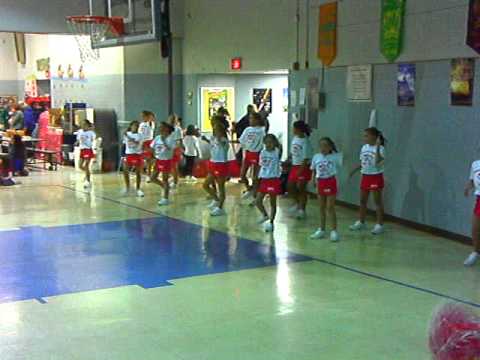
x: 326, y: 262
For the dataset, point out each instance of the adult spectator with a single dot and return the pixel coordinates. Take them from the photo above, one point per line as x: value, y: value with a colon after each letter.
x: 244, y: 121
x: 17, y: 120
x: 31, y: 114
x: 265, y: 114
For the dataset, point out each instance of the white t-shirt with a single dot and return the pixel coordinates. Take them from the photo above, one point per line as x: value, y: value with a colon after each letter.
x: 163, y: 148
x: 133, y: 142
x: 326, y: 166
x: 270, y: 167
x: 301, y: 150
x: 191, y: 145
x: 85, y: 139
x: 475, y: 176
x: 368, y: 156
x: 252, y: 139
x: 146, y: 130
x: 219, y: 150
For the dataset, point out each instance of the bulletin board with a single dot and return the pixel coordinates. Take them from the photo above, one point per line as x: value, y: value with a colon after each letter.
x: 212, y: 98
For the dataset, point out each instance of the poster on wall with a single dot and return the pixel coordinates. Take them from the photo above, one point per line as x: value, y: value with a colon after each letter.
x: 461, y: 82
x: 406, y: 85
x: 212, y: 100
x: 31, y: 89
x: 313, y: 102
x: 359, y: 83
x: 302, y: 96
x: 262, y: 98
x: 293, y: 98
x: 285, y: 99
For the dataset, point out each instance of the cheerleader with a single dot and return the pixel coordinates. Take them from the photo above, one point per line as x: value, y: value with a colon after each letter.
x: 324, y: 165
x: 270, y: 183
x: 474, y: 184
x: 86, y: 138
x: 300, y: 173
x: 134, y: 157
x: 372, y: 162
x: 252, y: 143
x: 176, y: 123
x: 214, y: 184
x: 147, y: 129
x: 163, y: 147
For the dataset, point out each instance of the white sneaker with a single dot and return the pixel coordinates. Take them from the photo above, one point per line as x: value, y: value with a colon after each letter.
x: 268, y: 227
x: 214, y: 204
x: 217, y: 212
x: 173, y: 186
x: 148, y: 180
x: 125, y: 192
x: 357, y: 226
x: 86, y: 185
x: 319, y: 234
x: 263, y: 219
x: 140, y: 193
x: 246, y: 195
x: 301, y: 214
x: 378, y: 229
x: 163, y: 202
x: 334, y: 236
x: 193, y: 179
x: 472, y: 259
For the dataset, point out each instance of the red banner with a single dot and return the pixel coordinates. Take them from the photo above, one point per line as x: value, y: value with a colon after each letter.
x: 473, y: 30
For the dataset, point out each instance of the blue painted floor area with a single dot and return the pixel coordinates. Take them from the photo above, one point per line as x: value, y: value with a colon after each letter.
x: 40, y: 262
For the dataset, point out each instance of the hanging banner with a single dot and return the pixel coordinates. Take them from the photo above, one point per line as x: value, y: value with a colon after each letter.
x: 461, y: 82
x: 327, y: 33
x: 391, y: 40
x: 359, y: 83
x: 473, y: 28
x: 406, y: 85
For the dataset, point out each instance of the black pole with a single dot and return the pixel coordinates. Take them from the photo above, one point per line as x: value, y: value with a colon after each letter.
x: 170, y: 76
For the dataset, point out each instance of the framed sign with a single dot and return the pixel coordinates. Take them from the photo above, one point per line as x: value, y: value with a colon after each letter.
x: 359, y: 83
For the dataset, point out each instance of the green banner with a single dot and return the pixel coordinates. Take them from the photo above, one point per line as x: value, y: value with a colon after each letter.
x: 391, y: 41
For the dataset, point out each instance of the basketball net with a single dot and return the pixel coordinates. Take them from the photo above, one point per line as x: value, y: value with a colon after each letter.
x: 87, y: 33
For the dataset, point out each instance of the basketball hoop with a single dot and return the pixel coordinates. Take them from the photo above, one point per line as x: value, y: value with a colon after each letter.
x: 93, y: 29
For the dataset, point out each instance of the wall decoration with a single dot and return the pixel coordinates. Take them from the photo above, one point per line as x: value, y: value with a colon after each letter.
x: 359, y: 83
x: 473, y: 27
x: 406, y: 85
x: 31, y: 88
x: 391, y: 40
x: 70, y: 72
x: 293, y: 98
x: 327, y: 33
x: 8, y: 100
x: 43, y: 64
x: 461, y: 82
x: 302, y: 96
x: 285, y: 99
x: 212, y: 99
x: 313, y: 102
x: 262, y: 99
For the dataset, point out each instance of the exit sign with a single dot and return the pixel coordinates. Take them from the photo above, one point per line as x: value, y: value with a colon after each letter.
x: 236, y: 63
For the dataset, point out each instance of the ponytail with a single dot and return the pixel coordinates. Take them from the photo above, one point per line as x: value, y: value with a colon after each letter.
x: 378, y: 134
x: 303, y: 127
x: 331, y: 143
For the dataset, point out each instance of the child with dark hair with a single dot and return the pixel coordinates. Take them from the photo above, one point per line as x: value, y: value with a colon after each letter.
x: 372, y: 162
x: 325, y: 165
x: 191, y: 145
x: 270, y: 183
x: 85, y: 138
x: 300, y: 173
x: 163, y: 147
x: 133, y: 157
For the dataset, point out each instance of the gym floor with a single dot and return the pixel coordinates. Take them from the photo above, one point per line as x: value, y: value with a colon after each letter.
x: 100, y: 276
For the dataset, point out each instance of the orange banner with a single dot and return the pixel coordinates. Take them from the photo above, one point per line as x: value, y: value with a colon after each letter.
x: 327, y: 33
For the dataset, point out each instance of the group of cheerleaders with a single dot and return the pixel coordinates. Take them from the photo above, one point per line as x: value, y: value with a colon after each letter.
x: 159, y: 156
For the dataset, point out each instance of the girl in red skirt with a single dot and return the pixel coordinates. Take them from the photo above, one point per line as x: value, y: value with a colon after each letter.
x: 325, y: 165
x: 372, y: 161
x: 85, y: 138
x: 270, y: 183
x: 147, y: 129
x: 214, y: 184
x: 133, y: 157
x: 163, y: 147
x: 474, y: 184
x: 177, y: 134
x: 300, y: 173
x: 252, y: 143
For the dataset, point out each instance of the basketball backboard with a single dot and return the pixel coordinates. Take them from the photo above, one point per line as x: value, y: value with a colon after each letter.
x: 142, y: 20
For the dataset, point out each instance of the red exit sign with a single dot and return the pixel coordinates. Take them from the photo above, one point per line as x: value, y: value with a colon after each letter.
x: 236, y: 63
